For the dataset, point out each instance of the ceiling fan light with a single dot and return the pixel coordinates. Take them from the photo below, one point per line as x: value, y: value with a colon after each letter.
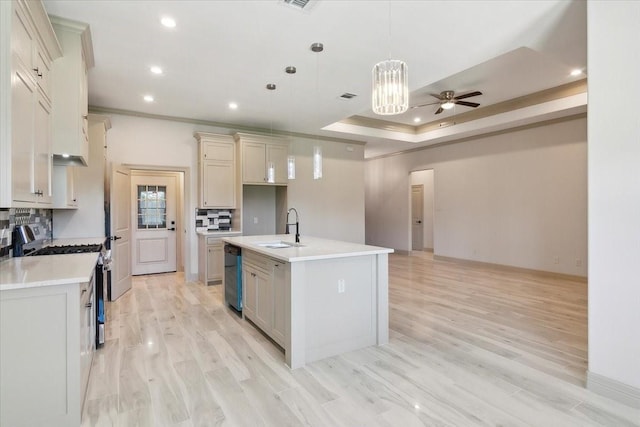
x: 390, y: 89
x: 447, y: 105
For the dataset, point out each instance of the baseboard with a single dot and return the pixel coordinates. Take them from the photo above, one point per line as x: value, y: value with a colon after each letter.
x: 613, y: 389
x: 401, y: 252
x: 510, y: 268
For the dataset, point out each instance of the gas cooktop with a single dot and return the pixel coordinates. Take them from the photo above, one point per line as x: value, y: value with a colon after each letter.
x: 71, y: 249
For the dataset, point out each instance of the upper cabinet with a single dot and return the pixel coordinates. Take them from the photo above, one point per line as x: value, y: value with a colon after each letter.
x: 70, y: 95
x: 28, y: 47
x: 263, y: 156
x: 216, y: 170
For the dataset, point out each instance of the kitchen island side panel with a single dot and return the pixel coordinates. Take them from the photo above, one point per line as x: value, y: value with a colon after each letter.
x: 341, y: 306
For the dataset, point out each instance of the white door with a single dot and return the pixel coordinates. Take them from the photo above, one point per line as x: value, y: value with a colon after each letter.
x: 153, y: 219
x: 417, y: 206
x: 120, y: 200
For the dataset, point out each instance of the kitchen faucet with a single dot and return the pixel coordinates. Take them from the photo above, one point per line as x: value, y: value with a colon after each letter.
x: 297, y: 224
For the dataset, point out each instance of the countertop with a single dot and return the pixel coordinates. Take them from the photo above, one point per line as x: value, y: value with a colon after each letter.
x: 49, y: 270
x: 312, y: 248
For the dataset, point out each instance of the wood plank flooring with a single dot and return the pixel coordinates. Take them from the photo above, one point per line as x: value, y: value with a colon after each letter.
x: 468, y: 346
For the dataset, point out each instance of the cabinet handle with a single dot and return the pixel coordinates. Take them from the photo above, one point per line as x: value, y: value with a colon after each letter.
x: 38, y: 73
x: 74, y: 200
x: 38, y: 193
x: 253, y: 274
x: 88, y: 305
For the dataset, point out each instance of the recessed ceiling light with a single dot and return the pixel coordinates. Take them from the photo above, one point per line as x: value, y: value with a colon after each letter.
x: 417, y: 120
x: 168, y: 21
x: 148, y: 98
x: 155, y: 69
x: 233, y: 106
x: 576, y: 72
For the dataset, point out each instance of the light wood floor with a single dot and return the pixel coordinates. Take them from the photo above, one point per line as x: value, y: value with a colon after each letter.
x: 469, y: 346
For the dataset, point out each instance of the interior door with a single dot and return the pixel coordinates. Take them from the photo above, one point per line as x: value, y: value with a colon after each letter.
x: 417, y: 217
x: 153, y: 219
x: 120, y: 200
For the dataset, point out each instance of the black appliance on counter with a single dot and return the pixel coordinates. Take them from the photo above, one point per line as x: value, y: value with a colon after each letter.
x: 233, y: 276
x: 29, y: 242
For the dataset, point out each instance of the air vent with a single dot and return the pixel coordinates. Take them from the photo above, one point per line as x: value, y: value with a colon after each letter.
x: 348, y: 95
x: 299, y: 4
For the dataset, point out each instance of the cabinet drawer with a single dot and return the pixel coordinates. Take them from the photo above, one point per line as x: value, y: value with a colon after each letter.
x: 214, y: 241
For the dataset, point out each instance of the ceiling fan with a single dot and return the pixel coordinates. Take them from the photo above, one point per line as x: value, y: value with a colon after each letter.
x: 447, y: 100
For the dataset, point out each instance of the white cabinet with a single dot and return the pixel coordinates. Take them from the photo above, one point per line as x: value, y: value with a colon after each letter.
x: 210, y: 260
x: 25, y: 116
x: 64, y: 186
x: 258, y: 154
x: 70, y: 95
x: 47, y: 343
x: 264, y: 282
x: 217, y: 171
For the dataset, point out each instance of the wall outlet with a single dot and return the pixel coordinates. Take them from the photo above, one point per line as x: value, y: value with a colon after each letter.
x: 341, y: 286
x: 556, y: 260
x: 255, y: 219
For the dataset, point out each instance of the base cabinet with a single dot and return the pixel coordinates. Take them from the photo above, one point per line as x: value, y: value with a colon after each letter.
x: 47, y: 342
x: 210, y: 260
x: 264, y: 283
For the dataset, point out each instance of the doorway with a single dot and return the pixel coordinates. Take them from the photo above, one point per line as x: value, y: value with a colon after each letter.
x: 422, y: 210
x: 155, y: 221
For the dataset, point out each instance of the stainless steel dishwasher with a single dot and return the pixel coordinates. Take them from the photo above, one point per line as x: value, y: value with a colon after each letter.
x: 233, y: 276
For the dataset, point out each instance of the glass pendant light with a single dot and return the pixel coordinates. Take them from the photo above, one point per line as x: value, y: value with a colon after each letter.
x: 291, y: 167
x: 317, y: 162
x: 390, y: 88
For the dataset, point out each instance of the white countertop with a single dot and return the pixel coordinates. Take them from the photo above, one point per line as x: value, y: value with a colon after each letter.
x: 312, y: 248
x: 49, y: 270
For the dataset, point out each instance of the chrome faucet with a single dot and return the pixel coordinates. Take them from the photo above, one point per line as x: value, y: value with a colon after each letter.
x: 297, y: 224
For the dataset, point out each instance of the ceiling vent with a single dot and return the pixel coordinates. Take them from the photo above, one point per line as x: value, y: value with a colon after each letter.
x: 299, y: 4
x: 348, y: 95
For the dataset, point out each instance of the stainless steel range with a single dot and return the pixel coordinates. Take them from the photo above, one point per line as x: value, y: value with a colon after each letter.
x: 30, y: 241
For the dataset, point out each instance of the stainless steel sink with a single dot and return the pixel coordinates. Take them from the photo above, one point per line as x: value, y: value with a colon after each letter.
x: 279, y: 244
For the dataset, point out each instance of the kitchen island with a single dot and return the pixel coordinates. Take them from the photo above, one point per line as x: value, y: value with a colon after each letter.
x: 315, y: 299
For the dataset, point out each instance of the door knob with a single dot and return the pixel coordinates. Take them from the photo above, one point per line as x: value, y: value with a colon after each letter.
x: 172, y: 229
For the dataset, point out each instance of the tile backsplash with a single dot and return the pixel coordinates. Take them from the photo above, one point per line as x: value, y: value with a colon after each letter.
x: 214, y: 219
x: 9, y: 218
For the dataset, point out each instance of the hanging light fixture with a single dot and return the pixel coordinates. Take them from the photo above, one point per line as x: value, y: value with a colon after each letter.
x: 317, y: 150
x: 271, y: 167
x: 390, y: 88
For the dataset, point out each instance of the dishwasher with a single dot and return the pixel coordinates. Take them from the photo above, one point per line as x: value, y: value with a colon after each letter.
x: 233, y: 276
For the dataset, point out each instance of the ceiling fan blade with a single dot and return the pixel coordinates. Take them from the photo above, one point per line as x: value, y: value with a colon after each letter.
x: 436, y: 96
x: 467, y: 104
x: 439, y: 110
x: 424, y: 105
x: 468, y: 95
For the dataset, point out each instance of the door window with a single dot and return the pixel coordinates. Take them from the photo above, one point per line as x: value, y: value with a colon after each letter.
x: 152, y: 207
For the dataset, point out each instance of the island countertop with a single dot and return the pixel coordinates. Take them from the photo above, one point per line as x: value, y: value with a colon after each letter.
x: 309, y: 249
x: 50, y: 270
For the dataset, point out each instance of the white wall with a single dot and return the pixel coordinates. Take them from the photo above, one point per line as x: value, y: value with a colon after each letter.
x: 332, y: 207
x: 259, y: 204
x: 425, y: 177
x: 614, y: 192
x: 517, y: 198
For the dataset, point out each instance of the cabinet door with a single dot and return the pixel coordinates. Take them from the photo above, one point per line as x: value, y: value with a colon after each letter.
x: 215, y: 257
x: 42, y: 150
x: 218, y: 151
x: 218, y: 184
x: 71, y: 175
x: 22, y: 37
x: 249, y: 292
x: 279, y: 309
x: 22, y: 120
x: 264, y: 301
x: 278, y: 155
x: 253, y: 163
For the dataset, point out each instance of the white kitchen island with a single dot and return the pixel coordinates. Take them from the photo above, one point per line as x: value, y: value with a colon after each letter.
x: 317, y: 299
